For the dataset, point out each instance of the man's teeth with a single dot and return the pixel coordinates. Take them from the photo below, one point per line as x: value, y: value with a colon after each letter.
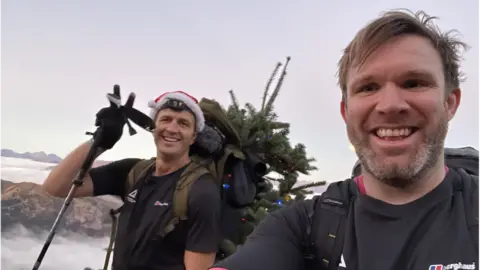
x: 394, y: 132
x: 168, y: 139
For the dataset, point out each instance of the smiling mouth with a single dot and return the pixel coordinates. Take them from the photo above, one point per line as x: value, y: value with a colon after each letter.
x: 393, y: 134
x: 170, y: 139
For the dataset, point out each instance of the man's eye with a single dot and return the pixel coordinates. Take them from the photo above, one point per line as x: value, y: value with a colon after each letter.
x: 164, y: 120
x: 413, y: 84
x: 368, y: 87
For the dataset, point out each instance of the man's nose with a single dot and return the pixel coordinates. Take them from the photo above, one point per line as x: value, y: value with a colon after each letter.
x: 172, y: 127
x: 391, y: 100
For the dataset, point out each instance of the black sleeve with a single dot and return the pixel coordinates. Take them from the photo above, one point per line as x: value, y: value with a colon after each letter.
x: 204, y: 204
x: 110, y: 179
x: 276, y: 243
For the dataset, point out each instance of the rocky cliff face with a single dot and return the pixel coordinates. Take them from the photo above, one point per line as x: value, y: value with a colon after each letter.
x: 27, y: 204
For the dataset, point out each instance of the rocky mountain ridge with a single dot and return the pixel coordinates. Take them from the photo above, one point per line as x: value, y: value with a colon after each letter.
x: 41, y: 157
x: 35, y: 156
x: 27, y: 204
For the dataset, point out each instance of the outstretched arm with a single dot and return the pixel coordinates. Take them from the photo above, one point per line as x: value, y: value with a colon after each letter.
x: 276, y: 243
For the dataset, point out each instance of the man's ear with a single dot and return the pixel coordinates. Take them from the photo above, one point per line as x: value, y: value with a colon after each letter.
x: 452, y: 101
x: 194, y: 137
x: 343, y: 110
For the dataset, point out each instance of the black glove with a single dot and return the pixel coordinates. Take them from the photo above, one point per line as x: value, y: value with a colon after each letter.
x: 111, y: 121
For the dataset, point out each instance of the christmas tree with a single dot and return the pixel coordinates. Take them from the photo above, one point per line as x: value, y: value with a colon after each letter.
x: 262, y: 133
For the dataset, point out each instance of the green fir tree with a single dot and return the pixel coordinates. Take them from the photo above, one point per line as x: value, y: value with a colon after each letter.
x: 262, y: 133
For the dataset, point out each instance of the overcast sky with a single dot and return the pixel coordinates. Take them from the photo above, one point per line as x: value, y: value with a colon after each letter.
x: 60, y: 58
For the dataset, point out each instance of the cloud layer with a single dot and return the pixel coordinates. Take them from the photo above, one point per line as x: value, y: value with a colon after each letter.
x: 20, y: 249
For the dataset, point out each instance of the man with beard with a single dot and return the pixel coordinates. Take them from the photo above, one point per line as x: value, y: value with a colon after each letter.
x: 193, y: 243
x: 400, y: 83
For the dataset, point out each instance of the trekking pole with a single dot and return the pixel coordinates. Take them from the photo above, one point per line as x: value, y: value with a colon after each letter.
x: 113, y: 215
x: 77, y: 181
x: 87, y: 164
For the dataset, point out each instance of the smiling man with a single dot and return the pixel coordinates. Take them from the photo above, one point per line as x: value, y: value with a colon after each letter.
x: 400, y: 83
x: 148, y: 209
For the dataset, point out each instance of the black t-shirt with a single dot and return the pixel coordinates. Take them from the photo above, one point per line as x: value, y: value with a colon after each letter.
x: 430, y: 233
x: 149, y: 206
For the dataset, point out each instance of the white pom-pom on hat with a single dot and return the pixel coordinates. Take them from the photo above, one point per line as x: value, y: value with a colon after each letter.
x: 189, y: 101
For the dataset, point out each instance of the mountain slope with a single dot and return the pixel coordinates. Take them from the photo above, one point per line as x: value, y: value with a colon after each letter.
x: 27, y: 204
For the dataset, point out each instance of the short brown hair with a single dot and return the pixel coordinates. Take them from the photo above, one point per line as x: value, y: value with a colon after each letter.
x: 400, y: 22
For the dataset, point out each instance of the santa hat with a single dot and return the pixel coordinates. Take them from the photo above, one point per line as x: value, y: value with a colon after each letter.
x: 187, y: 100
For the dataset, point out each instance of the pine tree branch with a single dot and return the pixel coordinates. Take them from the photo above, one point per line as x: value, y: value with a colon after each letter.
x: 271, y: 100
x: 234, y: 99
x: 267, y: 87
x: 252, y: 112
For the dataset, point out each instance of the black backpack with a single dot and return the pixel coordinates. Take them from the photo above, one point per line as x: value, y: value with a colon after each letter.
x: 335, y: 202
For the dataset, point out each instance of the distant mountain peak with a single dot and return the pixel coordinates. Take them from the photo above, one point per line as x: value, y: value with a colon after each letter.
x: 35, y: 156
x: 41, y: 156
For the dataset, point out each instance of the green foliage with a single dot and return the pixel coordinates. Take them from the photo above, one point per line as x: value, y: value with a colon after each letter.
x: 262, y: 132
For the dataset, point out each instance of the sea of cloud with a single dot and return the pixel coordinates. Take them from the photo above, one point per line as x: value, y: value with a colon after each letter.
x: 24, y: 170
x: 21, y: 247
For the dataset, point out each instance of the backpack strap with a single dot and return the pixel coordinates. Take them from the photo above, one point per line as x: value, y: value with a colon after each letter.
x: 469, y: 191
x: 332, y: 233
x: 308, y: 244
x: 467, y: 186
x: 327, y: 227
x: 138, y: 172
x: 180, y: 195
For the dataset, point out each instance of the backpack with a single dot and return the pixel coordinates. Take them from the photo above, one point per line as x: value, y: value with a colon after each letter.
x: 217, y: 151
x: 335, y: 202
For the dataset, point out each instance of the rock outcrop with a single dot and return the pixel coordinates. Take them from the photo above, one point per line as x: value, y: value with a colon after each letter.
x: 27, y: 204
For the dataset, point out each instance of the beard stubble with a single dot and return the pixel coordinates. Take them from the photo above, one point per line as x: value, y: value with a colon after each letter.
x: 421, y: 161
